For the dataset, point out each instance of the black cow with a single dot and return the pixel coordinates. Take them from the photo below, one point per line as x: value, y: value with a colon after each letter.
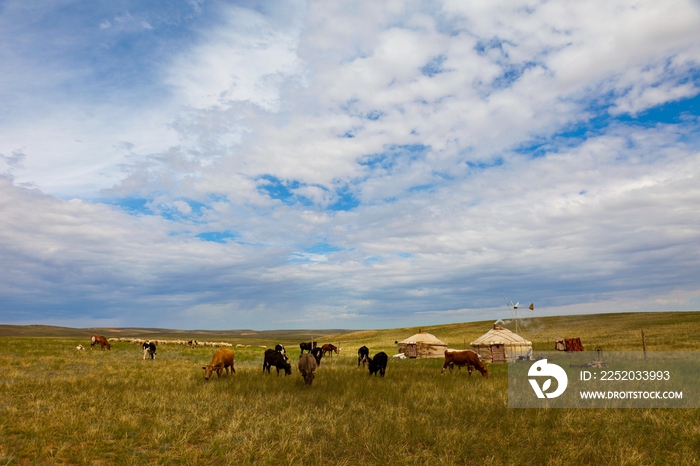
x: 307, y: 346
x: 362, y: 356
x: 378, y: 363
x: 277, y: 359
x: 318, y: 354
x: 149, y: 348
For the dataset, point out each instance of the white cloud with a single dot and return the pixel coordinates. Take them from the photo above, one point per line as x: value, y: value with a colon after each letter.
x: 183, y: 207
x: 439, y: 123
x: 244, y: 60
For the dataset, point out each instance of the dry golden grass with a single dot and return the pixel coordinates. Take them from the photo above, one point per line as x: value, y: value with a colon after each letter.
x: 61, y: 406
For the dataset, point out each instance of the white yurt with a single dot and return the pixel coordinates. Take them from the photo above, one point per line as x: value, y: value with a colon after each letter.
x: 422, y: 345
x: 501, y: 345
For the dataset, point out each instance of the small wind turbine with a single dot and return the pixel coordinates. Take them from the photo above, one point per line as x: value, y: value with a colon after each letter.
x: 514, y: 312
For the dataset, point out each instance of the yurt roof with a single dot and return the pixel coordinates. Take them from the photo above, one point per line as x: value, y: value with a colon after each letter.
x: 425, y: 338
x: 499, y: 335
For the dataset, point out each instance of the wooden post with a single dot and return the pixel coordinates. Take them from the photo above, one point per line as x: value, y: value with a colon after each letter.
x: 644, y: 345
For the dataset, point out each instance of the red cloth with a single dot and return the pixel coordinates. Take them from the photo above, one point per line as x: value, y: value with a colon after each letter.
x: 573, y: 344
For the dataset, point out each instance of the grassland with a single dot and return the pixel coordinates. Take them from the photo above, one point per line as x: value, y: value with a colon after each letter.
x: 61, y: 406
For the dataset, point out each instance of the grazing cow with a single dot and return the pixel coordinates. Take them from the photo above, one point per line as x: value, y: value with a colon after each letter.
x: 307, y: 346
x: 149, y: 349
x: 307, y: 368
x: 317, y: 354
x: 277, y: 359
x: 467, y: 358
x: 222, y: 360
x: 362, y: 356
x: 329, y: 349
x: 99, y: 340
x: 378, y: 363
x: 80, y: 348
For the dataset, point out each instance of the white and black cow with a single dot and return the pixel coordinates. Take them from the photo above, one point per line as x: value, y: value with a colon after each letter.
x: 317, y: 353
x: 149, y: 348
x: 280, y: 349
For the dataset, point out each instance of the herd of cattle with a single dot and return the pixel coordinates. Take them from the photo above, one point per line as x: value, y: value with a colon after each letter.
x: 223, y: 359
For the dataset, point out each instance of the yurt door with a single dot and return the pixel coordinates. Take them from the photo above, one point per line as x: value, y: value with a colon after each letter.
x: 498, y: 353
x: 411, y: 351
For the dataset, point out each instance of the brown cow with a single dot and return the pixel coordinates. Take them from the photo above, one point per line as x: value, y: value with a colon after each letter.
x: 329, y: 349
x: 464, y: 358
x: 99, y: 340
x: 307, y: 367
x: 222, y: 360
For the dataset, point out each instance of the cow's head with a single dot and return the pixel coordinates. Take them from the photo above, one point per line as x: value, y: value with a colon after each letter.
x: 308, y: 377
x: 288, y: 369
x: 208, y: 369
x: 484, y: 370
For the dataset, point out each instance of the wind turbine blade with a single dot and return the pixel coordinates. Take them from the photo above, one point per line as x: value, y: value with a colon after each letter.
x: 504, y: 298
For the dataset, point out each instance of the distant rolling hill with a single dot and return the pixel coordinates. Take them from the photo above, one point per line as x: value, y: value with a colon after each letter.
x: 620, y: 331
x: 55, y: 331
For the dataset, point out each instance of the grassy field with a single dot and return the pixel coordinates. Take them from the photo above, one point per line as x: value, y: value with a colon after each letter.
x: 61, y: 406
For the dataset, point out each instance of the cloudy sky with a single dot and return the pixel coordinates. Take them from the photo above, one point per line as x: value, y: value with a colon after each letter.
x: 352, y: 164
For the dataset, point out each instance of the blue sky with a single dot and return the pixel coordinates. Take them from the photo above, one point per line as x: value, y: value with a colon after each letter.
x: 270, y: 165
